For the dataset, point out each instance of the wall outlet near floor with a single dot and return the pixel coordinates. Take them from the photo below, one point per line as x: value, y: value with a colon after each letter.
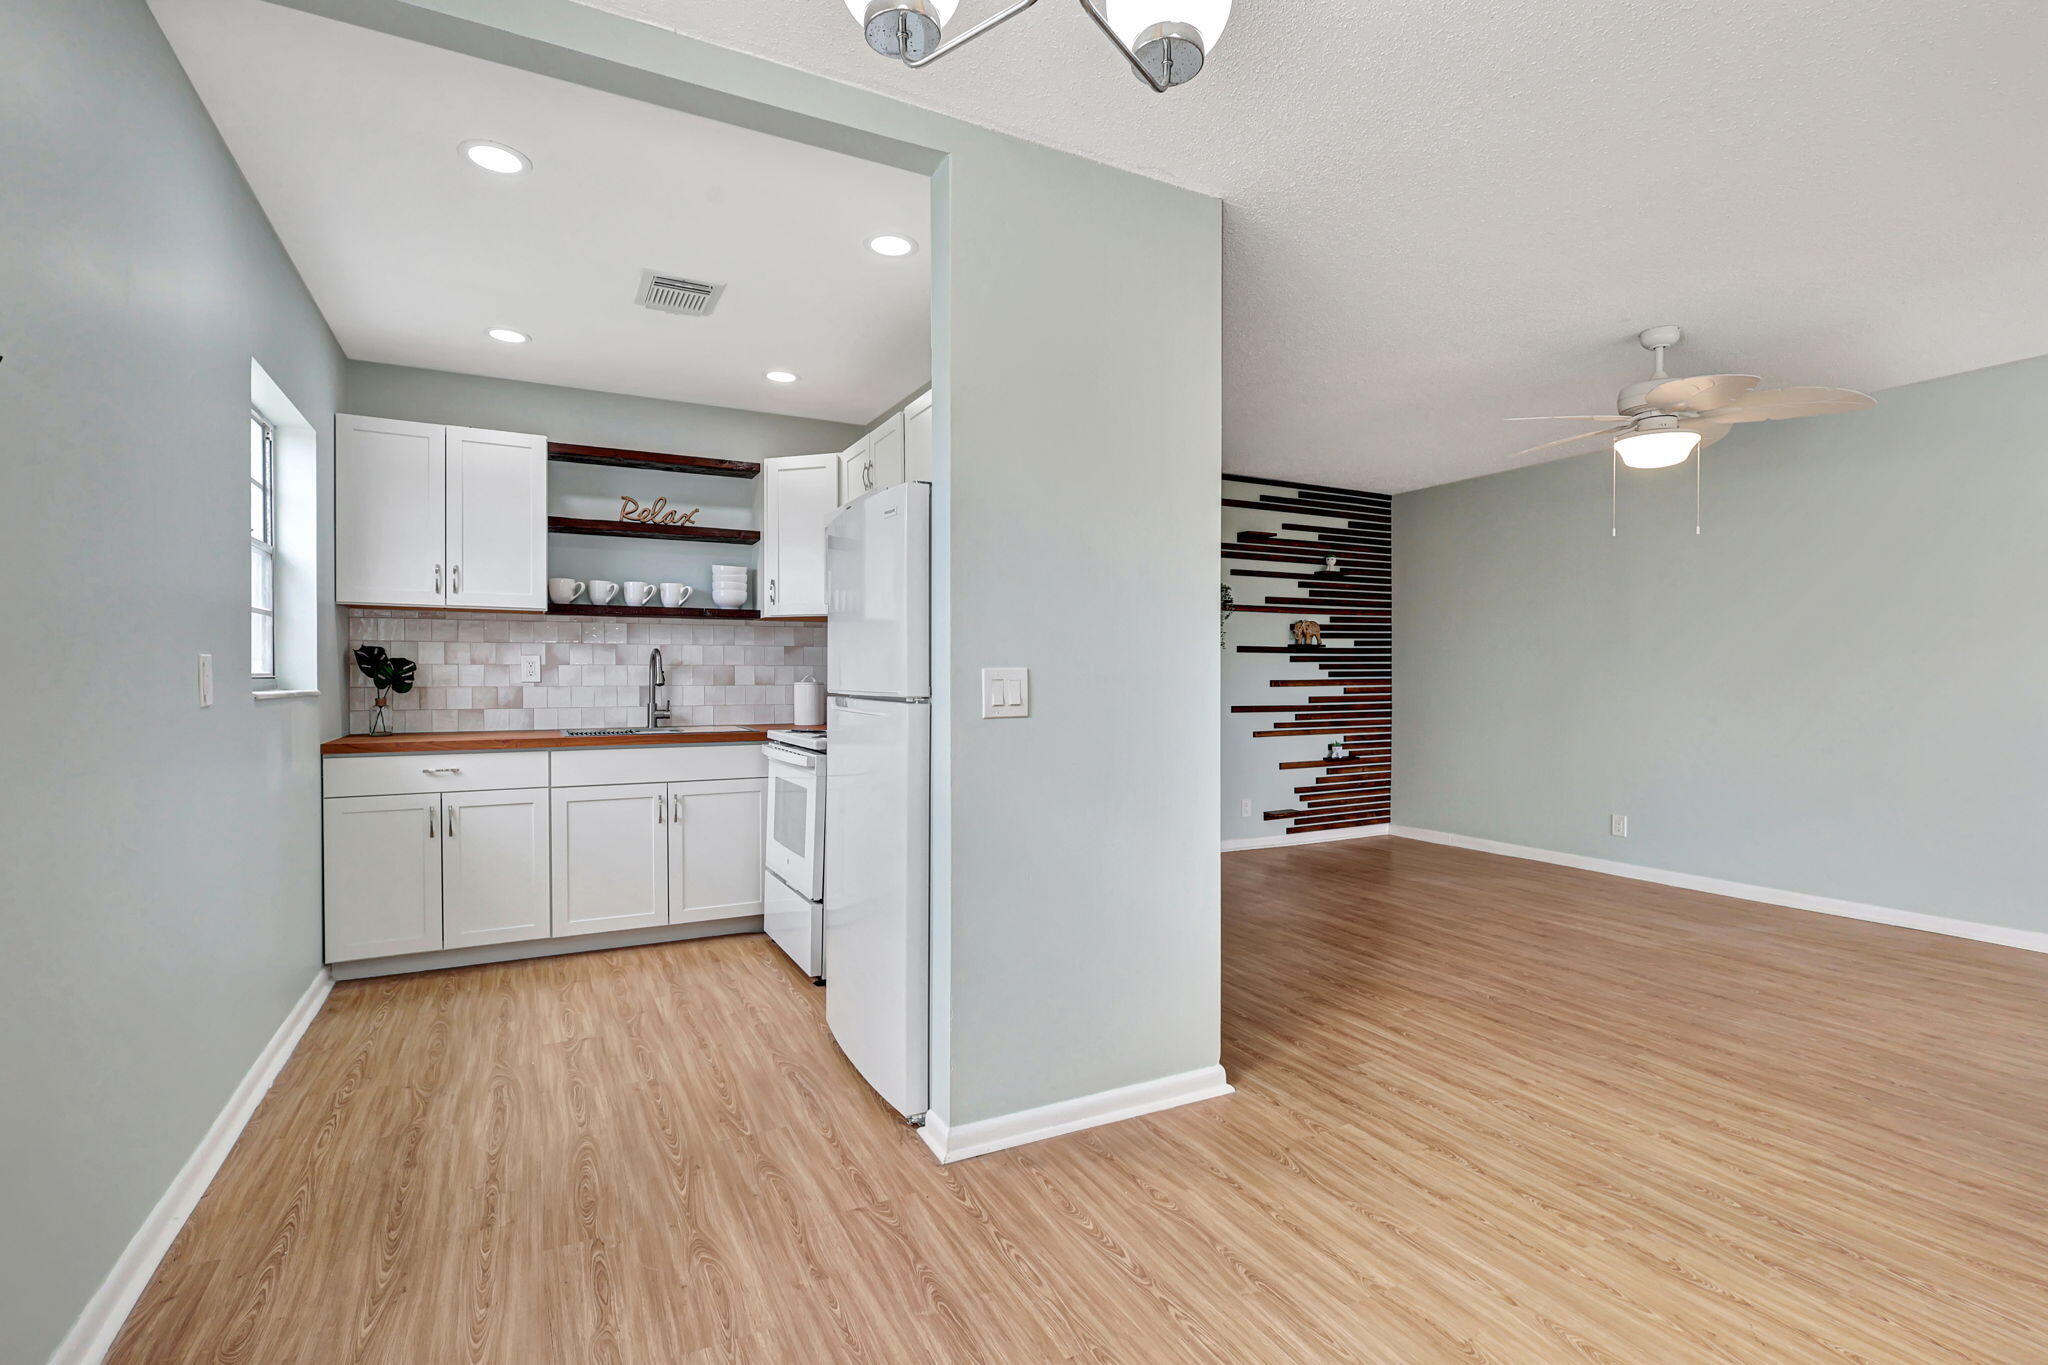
x: 1617, y: 825
x: 1244, y: 808
x: 206, y: 680
x: 529, y: 668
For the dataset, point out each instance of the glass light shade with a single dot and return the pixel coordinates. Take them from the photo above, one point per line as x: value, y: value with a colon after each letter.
x: 1131, y: 18
x: 1656, y: 449
x: 942, y: 10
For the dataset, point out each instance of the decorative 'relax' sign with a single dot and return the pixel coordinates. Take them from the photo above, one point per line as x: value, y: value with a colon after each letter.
x: 657, y: 513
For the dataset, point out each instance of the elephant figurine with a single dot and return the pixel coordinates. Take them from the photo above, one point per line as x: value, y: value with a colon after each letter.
x: 1307, y: 634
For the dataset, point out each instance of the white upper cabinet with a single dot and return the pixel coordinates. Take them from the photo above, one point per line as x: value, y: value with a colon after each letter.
x: 390, y: 512
x: 497, y: 520
x: 917, y: 439
x: 383, y: 876
x: 430, y: 516
x: 800, y: 493
x: 885, y: 455
x: 494, y: 867
x: 715, y: 836
x: 853, y: 469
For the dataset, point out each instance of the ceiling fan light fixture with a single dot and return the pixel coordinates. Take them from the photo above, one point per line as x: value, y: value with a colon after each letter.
x: 1656, y: 449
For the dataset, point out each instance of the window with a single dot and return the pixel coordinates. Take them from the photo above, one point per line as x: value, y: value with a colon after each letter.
x: 262, y: 547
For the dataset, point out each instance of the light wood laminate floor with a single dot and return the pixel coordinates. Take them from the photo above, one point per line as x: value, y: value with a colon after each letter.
x: 1488, y: 1110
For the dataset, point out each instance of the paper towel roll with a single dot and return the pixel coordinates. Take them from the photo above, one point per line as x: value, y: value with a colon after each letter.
x: 810, y: 702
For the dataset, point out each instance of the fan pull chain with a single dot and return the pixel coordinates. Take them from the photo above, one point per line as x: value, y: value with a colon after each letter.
x: 1614, y: 495
x: 1699, y: 461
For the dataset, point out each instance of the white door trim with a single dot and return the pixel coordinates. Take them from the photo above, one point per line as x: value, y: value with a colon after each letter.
x: 107, y: 1311
x: 2032, y: 941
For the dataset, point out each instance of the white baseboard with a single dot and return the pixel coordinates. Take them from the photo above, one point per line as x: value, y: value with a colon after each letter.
x: 443, y: 958
x: 1071, y: 1116
x: 90, y: 1337
x: 1317, y: 836
x: 2033, y: 941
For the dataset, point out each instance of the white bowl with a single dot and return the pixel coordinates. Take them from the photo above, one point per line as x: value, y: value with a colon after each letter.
x: 728, y: 598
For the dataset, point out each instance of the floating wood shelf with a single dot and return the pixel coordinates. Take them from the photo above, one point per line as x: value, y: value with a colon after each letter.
x: 647, y: 459
x: 640, y: 530
x: 656, y: 613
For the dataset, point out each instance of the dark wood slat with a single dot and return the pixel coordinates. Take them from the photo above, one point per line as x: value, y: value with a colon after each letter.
x: 1264, y: 482
x: 658, y: 613
x: 648, y: 459
x: 635, y: 530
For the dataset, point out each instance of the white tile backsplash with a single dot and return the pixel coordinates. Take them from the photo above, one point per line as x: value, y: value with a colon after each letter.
x: 593, y: 670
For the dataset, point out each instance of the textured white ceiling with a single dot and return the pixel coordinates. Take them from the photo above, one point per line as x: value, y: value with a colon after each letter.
x: 1443, y: 213
x: 350, y: 140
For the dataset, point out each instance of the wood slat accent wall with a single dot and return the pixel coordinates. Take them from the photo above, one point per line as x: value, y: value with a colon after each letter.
x: 1281, y: 574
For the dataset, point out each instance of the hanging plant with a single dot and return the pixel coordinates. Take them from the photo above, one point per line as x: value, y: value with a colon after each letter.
x: 1229, y: 606
x: 388, y: 676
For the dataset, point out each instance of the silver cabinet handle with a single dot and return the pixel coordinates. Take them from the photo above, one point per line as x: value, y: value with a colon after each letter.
x: 455, y: 579
x: 660, y: 812
x: 437, y: 580
x: 451, y: 822
x: 771, y: 592
x: 676, y: 804
x: 431, y: 812
x: 435, y: 772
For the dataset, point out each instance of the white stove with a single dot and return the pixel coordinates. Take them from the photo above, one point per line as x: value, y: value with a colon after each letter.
x: 793, y: 891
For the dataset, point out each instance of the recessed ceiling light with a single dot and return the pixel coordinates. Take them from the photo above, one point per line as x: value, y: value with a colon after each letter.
x: 889, y: 244
x: 509, y: 336
x: 781, y: 377
x: 497, y: 157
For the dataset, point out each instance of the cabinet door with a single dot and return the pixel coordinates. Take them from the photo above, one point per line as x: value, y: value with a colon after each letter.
x: 497, y: 519
x: 383, y: 875
x: 714, y: 849
x: 917, y: 440
x: 800, y: 494
x: 494, y: 867
x: 853, y: 471
x: 610, y: 858
x: 886, y: 454
x: 390, y: 512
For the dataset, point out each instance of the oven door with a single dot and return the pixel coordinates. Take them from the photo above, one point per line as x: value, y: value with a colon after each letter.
x: 795, y: 835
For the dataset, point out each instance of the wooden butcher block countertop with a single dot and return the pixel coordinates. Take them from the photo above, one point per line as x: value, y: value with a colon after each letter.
x: 470, y: 741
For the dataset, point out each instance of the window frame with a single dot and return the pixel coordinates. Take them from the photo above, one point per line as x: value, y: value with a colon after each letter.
x: 265, y: 545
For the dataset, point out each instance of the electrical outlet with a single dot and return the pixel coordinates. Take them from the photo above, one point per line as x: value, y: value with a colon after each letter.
x: 1244, y: 808
x: 206, y: 680
x: 529, y: 668
x: 1617, y: 825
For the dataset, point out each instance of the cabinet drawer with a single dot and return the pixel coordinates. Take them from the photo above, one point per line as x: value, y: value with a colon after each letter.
x: 680, y: 763
x: 409, y: 774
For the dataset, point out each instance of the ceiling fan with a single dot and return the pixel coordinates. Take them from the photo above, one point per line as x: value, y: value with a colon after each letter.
x: 1660, y: 421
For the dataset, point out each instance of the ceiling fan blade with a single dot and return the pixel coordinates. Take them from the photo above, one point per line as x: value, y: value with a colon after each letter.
x: 1567, y: 440
x: 1575, y: 417
x: 1709, y: 431
x: 1700, y: 393
x: 1772, y: 405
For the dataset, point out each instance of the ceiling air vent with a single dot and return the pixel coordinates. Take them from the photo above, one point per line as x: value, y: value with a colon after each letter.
x: 674, y: 294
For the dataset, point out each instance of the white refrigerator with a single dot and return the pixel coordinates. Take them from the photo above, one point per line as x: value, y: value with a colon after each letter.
x: 878, y: 801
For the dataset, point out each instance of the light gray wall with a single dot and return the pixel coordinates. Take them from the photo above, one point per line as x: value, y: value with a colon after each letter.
x: 159, y: 908
x: 1078, y: 451
x: 1836, y: 689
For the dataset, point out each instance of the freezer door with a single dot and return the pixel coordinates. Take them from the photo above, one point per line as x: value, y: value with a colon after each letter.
x: 878, y: 575
x: 878, y: 895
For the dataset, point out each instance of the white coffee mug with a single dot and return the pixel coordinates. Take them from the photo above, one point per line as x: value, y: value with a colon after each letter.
x: 637, y: 593
x: 563, y: 591
x: 602, y: 592
x: 675, y: 594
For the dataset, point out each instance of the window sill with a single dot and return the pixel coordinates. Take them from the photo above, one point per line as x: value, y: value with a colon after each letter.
x: 285, y: 693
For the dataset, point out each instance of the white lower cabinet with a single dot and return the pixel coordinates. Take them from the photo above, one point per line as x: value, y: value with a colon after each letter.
x: 610, y: 858
x: 494, y: 867
x: 383, y: 876
x: 714, y: 849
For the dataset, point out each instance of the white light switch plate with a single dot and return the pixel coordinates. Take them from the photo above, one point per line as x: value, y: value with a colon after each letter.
x: 1005, y: 693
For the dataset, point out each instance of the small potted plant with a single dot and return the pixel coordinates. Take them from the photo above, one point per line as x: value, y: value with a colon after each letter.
x: 387, y: 675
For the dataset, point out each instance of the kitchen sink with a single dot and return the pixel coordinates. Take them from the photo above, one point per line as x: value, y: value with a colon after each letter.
x: 643, y: 730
